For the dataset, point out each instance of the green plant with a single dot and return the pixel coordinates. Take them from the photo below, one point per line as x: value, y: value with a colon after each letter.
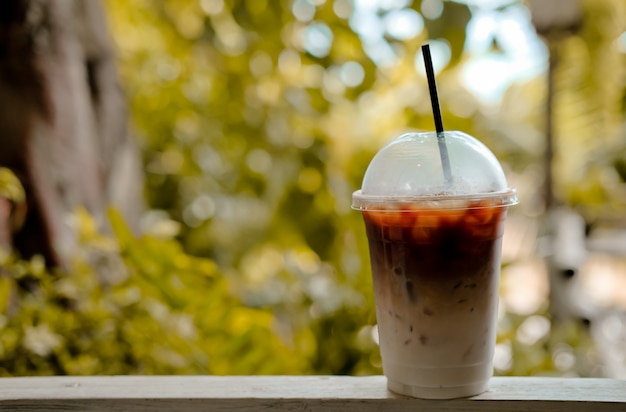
x: 155, y: 310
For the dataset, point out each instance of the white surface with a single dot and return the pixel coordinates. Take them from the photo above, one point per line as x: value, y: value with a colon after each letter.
x: 296, y: 393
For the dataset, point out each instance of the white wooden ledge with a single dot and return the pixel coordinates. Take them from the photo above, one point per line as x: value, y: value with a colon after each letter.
x: 296, y: 393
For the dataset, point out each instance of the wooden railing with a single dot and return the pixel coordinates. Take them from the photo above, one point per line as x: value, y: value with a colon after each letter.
x: 296, y: 393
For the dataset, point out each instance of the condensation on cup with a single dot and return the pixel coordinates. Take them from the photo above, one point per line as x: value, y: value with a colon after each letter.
x: 435, y: 244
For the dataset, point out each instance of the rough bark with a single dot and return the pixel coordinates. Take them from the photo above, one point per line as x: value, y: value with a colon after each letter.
x: 64, y: 121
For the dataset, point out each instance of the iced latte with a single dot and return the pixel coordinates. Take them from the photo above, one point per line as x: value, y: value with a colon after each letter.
x: 435, y: 262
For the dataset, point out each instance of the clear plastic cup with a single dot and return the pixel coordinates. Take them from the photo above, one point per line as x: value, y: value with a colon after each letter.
x: 435, y: 253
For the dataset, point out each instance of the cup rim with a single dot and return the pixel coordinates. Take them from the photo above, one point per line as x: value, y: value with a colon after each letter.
x: 502, y: 198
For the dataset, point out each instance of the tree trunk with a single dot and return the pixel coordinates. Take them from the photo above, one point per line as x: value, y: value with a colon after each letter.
x: 64, y: 122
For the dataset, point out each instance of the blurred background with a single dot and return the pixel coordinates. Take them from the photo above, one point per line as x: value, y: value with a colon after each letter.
x: 177, y: 178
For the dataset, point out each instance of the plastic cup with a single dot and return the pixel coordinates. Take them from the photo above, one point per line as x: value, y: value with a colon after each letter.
x: 435, y: 254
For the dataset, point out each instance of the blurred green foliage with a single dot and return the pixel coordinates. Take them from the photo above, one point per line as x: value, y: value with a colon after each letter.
x: 268, y: 113
x: 256, y: 121
x: 157, y: 311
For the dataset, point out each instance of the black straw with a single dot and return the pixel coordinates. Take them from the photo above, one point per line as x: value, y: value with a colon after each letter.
x: 434, y: 99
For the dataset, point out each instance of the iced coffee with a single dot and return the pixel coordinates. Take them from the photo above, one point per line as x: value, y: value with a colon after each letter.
x: 435, y: 257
